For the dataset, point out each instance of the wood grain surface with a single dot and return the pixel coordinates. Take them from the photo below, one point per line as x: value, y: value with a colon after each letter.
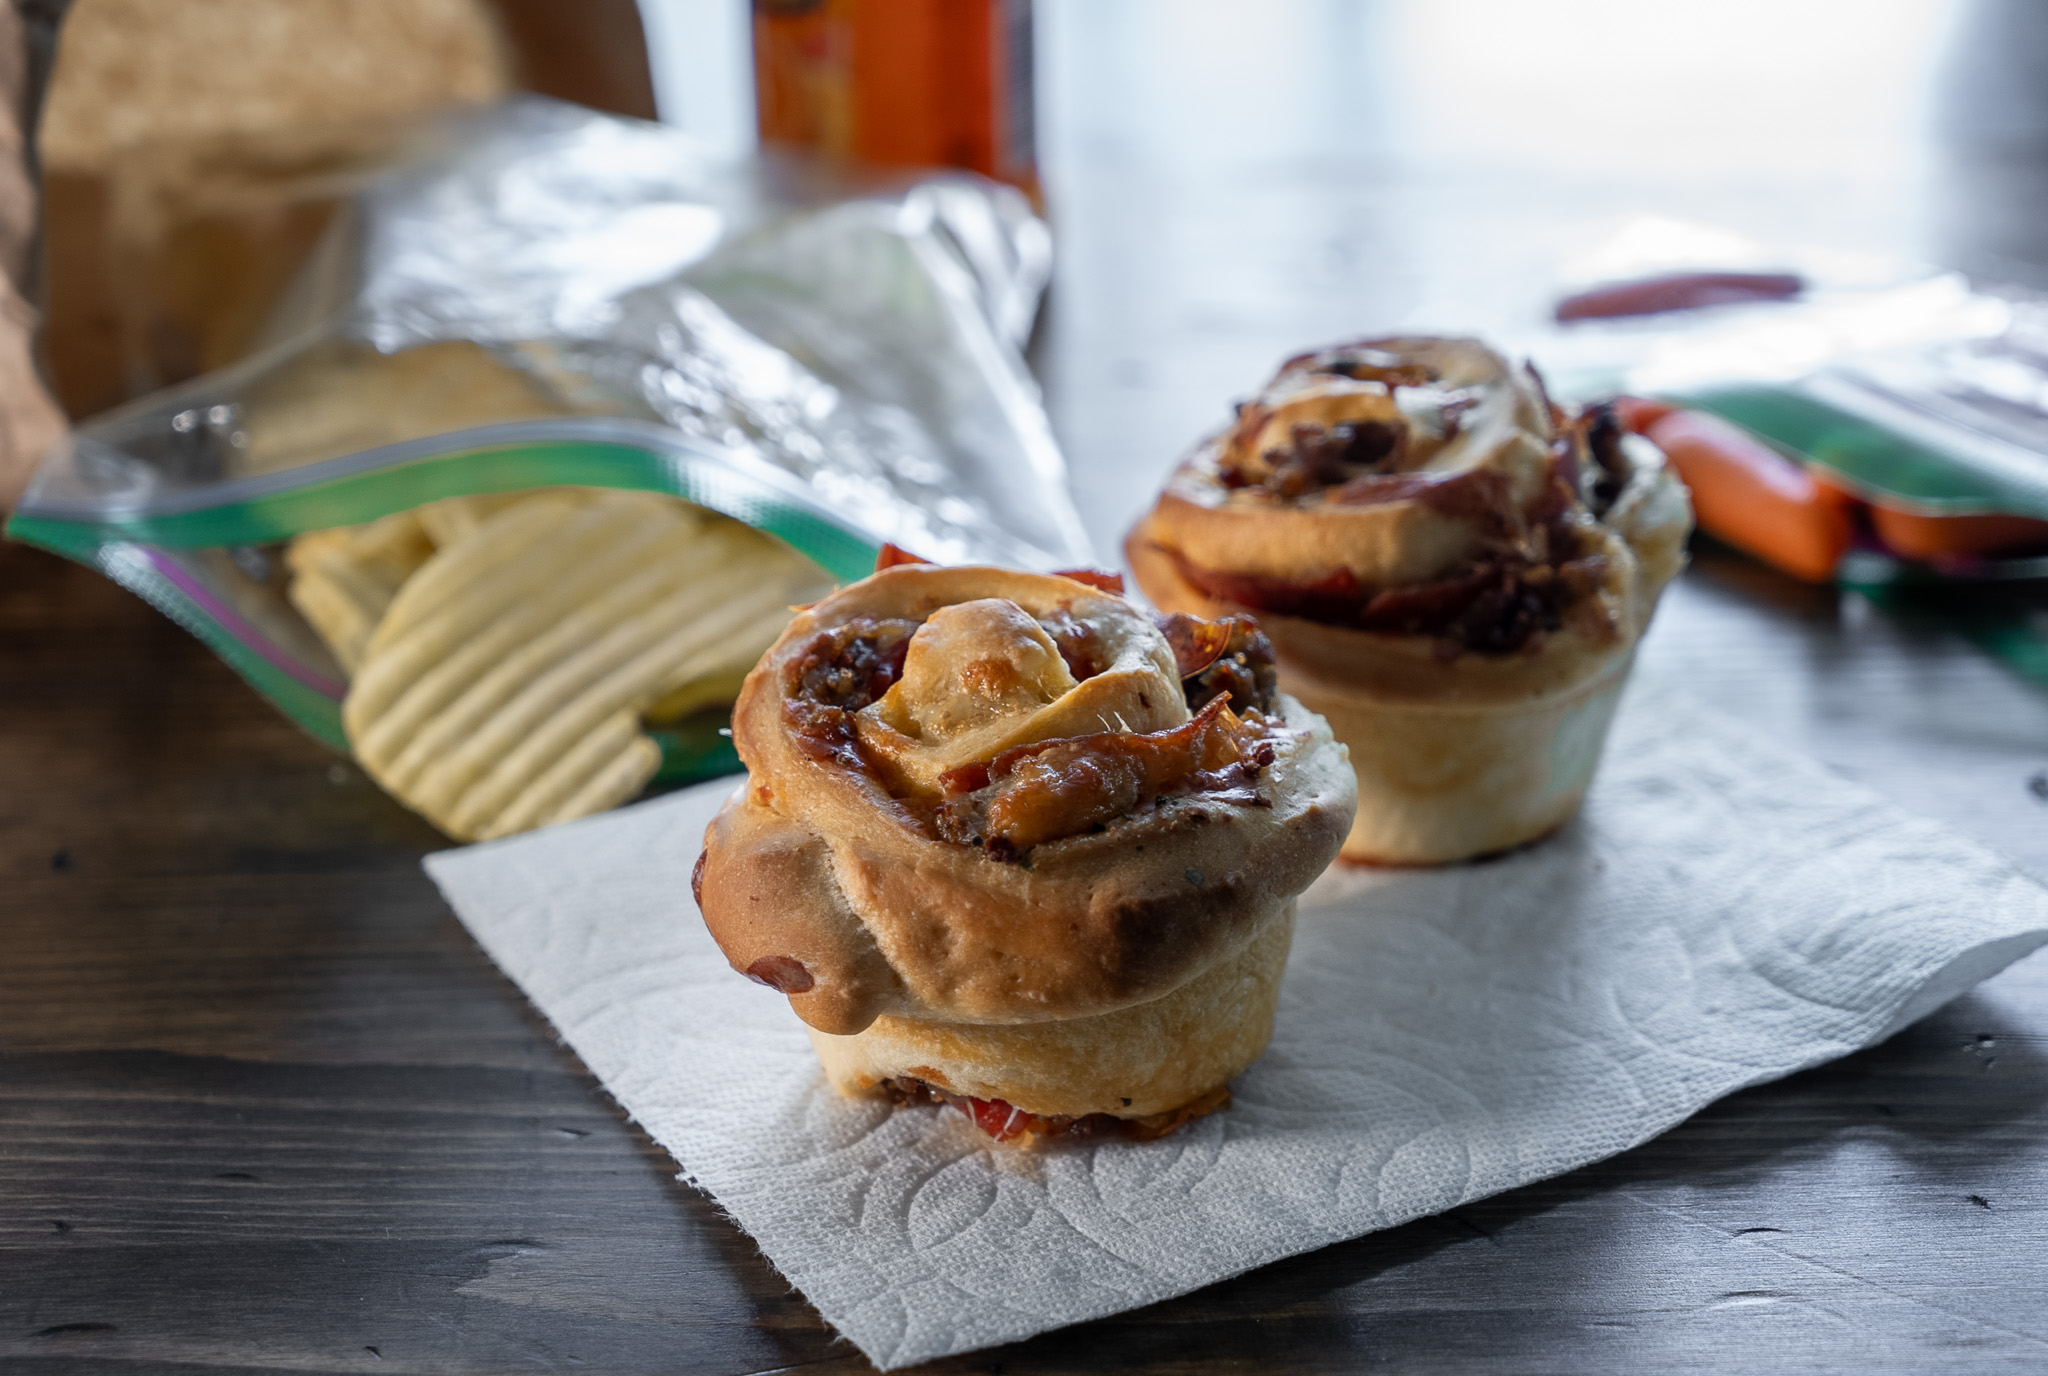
x: 264, y: 1106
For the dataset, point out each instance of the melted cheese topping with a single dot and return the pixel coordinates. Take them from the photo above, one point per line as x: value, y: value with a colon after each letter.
x: 971, y: 669
x: 982, y: 677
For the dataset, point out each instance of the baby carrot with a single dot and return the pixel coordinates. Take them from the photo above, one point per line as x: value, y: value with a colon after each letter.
x: 1916, y: 535
x: 1755, y: 498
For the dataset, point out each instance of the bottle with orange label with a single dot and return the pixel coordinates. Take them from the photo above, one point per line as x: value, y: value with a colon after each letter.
x: 927, y: 83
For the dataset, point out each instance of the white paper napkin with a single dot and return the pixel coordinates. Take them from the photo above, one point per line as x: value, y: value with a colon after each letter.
x: 1722, y: 913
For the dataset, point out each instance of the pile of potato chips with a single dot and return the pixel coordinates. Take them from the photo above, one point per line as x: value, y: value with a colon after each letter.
x: 507, y: 652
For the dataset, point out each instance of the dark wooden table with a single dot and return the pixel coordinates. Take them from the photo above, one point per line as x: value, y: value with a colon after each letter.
x: 264, y: 1105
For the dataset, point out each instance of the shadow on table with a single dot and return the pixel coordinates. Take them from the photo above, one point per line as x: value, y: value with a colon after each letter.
x: 1730, y: 570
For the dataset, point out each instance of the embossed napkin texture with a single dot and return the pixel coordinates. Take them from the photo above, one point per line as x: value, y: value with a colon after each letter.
x: 1722, y: 913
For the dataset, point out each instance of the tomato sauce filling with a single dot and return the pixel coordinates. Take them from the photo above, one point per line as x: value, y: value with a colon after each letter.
x: 1006, y: 1123
x: 1507, y: 598
x: 1053, y: 789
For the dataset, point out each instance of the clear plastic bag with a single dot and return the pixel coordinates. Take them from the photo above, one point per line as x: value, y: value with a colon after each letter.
x: 1919, y: 393
x: 541, y: 296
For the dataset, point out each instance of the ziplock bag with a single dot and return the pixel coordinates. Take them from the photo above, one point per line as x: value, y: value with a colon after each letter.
x: 1915, y: 396
x: 539, y: 295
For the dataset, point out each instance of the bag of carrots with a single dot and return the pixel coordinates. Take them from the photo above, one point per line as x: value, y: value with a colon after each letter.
x: 1835, y: 418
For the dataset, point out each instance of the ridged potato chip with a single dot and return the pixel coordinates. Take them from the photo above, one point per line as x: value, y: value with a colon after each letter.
x: 505, y: 685
x: 343, y: 579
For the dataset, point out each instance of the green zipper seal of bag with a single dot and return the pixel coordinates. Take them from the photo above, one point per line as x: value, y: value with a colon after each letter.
x: 356, y: 497
x: 1885, y: 449
x: 137, y: 547
x: 1888, y: 451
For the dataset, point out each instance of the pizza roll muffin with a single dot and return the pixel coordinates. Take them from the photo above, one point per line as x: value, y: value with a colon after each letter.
x: 1453, y: 571
x: 1009, y: 842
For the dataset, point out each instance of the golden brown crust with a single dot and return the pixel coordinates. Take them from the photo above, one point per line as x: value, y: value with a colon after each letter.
x: 1382, y: 542
x: 1457, y: 753
x: 1412, y: 668
x: 1151, y: 1058
x: 818, y: 861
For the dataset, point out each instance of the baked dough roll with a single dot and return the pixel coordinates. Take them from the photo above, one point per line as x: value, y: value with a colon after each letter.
x: 1009, y: 842
x: 1453, y: 571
